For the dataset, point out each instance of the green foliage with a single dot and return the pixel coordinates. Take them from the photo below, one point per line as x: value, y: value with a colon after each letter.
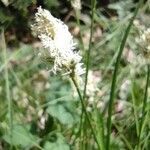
x: 22, y: 5
x: 58, y: 144
x: 64, y: 112
x: 21, y: 136
x: 123, y: 8
x: 5, y: 17
x: 50, y: 3
x: 46, y: 113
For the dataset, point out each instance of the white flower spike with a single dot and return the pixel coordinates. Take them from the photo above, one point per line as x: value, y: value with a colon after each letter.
x: 57, y: 42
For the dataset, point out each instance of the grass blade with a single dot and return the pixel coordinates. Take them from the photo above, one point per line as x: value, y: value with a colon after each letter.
x: 93, y: 3
x: 10, y: 119
x: 113, y: 85
x: 144, y: 106
x: 85, y: 112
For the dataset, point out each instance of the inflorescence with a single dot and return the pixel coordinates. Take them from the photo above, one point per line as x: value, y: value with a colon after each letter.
x: 58, y: 44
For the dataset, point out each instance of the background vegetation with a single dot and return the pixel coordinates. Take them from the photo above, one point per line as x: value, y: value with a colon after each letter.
x: 42, y: 111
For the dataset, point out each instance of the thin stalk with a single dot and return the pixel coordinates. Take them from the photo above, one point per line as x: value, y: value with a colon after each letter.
x: 114, y: 78
x: 7, y: 86
x: 135, y: 111
x: 100, y: 124
x: 93, y: 5
x: 77, y: 13
x: 79, y: 133
x: 85, y: 136
x: 87, y: 68
x: 81, y: 122
x: 85, y: 112
x: 144, y: 106
x: 146, y: 141
x: 90, y: 46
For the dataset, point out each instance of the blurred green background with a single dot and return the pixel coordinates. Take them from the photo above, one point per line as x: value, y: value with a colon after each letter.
x: 41, y: 110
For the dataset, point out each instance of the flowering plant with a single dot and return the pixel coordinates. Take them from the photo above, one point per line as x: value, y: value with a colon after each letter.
x: 58, y: 43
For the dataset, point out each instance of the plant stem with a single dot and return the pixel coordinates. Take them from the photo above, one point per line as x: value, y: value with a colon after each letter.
x: 100, y: 130
x: 114, y: 78
x: 134, y: 108
x: 144, y: 105
x: 93, y: 3
x: 85, y: 112
x: 89, y: 49
x: 77, y: 13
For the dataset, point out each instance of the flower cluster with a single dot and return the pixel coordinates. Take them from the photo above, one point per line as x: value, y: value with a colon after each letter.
x: 92, y: 91
x: 144, y: 42
x: 58, y: 44
x: 145, y: 39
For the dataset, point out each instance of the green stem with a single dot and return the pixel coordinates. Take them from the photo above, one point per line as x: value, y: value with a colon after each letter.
x: 93, y: 3
x: 113, y: 85
x: 85, y: 112
x: 144, y: 105
x: 77, y: 13
x: 134, y: 108
x: 79, y: 133
x: 100, y: 128
x: 90, y: 46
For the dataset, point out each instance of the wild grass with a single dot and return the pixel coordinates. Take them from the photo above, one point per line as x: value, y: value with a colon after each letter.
x: 39, y: 110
